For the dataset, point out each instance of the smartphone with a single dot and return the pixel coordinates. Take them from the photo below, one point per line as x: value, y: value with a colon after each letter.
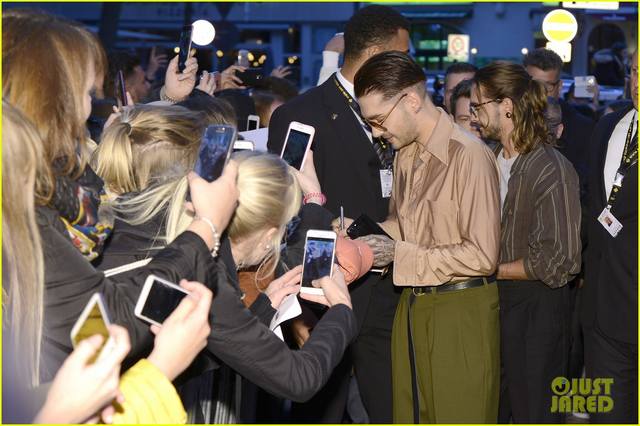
x: 185, y: 46
x: 243, y: 58
x: 253, y: 122
x: 319, y: 254
x: 158, y: 299
x: 93, y: 320
x: 243, y: 146
x: 215, y: 151
x: 120, y: 90
x: 297, y: 144
x: 251, y: 77
x: 584, y: 86
x: 364, y: 225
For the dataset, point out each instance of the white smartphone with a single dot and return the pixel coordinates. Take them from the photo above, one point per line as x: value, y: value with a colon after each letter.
x: 93, y: 320
x: 319, y: 254
x: 253, y: 122
x: 158, y: 299
x: 244, y: 145
x: 297, y: 144
x: 584, y: 86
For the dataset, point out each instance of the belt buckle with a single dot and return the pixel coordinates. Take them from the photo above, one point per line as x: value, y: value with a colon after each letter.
x: 419, y: 291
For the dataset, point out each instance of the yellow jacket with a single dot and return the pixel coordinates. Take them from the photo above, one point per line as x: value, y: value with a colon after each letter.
x: 149, y: 397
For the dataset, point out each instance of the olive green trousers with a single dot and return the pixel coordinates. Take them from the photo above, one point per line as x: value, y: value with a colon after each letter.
x: 456, y: 342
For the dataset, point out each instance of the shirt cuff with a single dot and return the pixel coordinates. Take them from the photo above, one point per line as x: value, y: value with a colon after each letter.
x: 330, y: 59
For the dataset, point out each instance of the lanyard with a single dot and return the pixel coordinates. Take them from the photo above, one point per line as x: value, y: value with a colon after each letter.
x: 383, y: 151
x: 629, y: 159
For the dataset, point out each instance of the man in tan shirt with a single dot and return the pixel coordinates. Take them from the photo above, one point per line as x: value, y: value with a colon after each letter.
x: 444, y: 219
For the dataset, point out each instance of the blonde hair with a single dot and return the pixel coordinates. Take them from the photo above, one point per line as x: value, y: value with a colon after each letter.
x: 269, y: 197
x: 21, y: 248
x: 51, y: 96
x: 147, y: 146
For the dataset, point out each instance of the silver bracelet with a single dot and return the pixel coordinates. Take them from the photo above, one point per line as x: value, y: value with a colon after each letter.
x: 216, y: 236
x: 164, y: 97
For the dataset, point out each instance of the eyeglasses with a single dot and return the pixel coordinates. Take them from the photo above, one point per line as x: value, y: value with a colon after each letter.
x: 473, y: 107
x: 379, y: 126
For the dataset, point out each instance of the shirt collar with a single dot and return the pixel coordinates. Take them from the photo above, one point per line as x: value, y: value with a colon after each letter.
x: 438, y: 143
x: 348, y: 86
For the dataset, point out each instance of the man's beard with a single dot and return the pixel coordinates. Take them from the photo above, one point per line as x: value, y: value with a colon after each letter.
x: 492, y: 132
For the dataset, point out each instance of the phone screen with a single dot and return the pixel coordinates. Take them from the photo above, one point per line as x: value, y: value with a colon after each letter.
x: 161, y: 301
x: 214, y: 151
x: 252, y: 124
x: 296, y: 148
x: 318, y: 259
x: 185, y: 46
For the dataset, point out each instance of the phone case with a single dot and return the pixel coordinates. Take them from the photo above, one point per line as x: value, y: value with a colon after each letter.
x: 363, y: 226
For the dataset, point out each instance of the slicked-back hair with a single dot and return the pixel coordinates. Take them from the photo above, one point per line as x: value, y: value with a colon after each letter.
x: 545, y: 59
x: 387, y: 73
x: 502, y: 80
x: 370, y: 26
x: 460, y: 68
x: 462, y: 90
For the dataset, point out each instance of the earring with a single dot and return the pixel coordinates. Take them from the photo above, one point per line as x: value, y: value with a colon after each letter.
x: 508, y: 114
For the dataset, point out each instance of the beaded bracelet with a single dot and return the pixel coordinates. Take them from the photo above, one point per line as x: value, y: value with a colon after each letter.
x: 309, y: 196
x: 216, y: 236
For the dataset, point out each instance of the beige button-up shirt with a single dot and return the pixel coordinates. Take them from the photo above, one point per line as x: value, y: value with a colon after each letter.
x: 445, y: 209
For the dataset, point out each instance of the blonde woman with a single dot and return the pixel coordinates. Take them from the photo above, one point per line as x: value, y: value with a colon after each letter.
x: 152, y: 213
x: 80, y: 389
x: 48, y: 74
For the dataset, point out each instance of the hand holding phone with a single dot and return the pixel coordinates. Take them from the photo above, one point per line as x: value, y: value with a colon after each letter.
x: 184, y: 333
x: 334, y: 290
x: 224, y: 191
x: 158, y: 299
x: 178, y: 85
x: 297, y: 144
x: 82, y: 387
x: 215, y: 151
x: 319, y: 255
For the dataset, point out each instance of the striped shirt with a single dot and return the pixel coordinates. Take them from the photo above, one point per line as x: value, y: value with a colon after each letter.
x: 541, y: 217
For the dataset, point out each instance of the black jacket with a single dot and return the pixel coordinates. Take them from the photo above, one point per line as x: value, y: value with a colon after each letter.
x: 610, y: 293
x: 575, y: 141
x: 237, y: 336
x: 347, y: 165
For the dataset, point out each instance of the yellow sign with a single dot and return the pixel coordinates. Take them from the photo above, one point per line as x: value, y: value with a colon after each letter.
x: 560, y: 26
x: 563, y: 49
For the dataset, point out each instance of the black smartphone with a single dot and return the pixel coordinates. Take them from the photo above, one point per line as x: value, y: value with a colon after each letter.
x: 185, y: 46
x: 251, y: 77
x: 364, y: 225
x: 120, y: 90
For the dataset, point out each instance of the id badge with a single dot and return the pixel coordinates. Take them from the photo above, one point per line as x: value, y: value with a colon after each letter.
x: 386, y: 182
x: 609, y: 222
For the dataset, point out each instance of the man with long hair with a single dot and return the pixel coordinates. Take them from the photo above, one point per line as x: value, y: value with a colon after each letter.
x: 540, y: 239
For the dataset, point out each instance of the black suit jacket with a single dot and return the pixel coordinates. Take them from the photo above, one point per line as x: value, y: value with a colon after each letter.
x: 347, y: 165
x: 574, y: 143
x: 611, y: 265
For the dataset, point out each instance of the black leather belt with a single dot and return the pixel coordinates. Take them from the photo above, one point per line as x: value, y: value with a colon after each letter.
x: 476, y: 282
